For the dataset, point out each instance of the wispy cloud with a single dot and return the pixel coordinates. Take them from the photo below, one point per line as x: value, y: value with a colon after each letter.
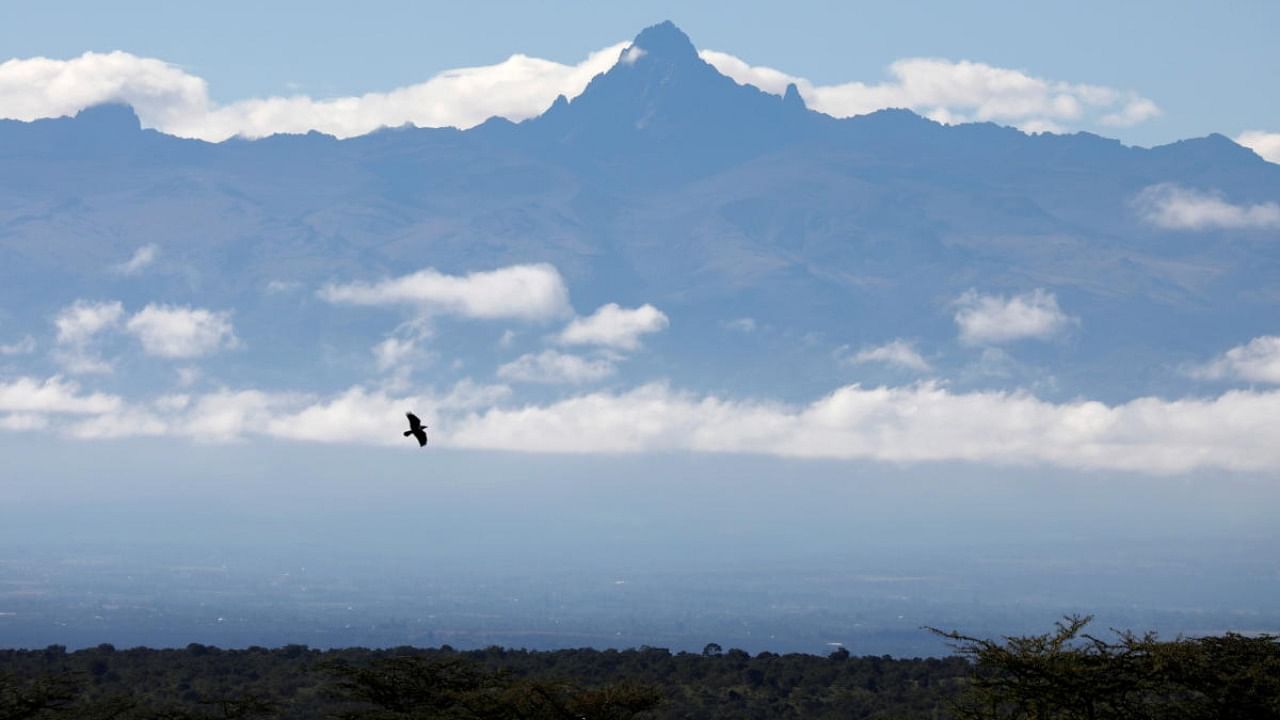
x: 957, y: 91
x: 25, y: 346
x: 1175, y: 207
x: 896, y: 352
x: 614, y: 326
x: 517, y: 292
x: 1266, y: 144
x: 554, y: 367
x: 994, y: 319
x: 1256, y: 361
x: 142, y: 257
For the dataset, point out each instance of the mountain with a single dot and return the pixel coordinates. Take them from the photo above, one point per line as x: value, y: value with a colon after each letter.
x: 664, y: 182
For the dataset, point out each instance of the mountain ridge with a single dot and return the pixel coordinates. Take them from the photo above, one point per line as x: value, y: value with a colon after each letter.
x: 856, y: 231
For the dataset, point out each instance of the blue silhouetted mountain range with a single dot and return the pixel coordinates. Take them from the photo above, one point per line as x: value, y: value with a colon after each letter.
x: 668, y: 183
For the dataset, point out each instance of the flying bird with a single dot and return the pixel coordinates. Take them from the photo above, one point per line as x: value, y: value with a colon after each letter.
x: 416, y: 429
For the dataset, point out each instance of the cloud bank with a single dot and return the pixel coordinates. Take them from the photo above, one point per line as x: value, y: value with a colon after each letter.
x: 174, y: 101
x: 923, y: 422
x: 953, y: 92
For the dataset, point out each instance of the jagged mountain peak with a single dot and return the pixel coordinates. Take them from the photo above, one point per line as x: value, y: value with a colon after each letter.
x: 665, y: 41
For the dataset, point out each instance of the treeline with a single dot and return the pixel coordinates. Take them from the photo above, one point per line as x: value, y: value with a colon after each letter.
x: 298, y: 682
x: 1065, y: 674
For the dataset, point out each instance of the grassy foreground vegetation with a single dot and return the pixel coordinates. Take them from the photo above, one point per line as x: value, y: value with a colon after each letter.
x: 1065, y: 674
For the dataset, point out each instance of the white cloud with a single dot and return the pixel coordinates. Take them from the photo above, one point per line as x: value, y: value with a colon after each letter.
x: 142, y: 257
x: 743, y: 325
x: 1257, y: 361
x: 41, y: 87
x: 1177, y: 208
x: 80, y: 321
x: 393, y: 352
x: 54, y: 395
x: 1265, y: 144
x: 174, y: 101
x: 519, y: 292
x: 924, y: 422
x: 78, y: 324
x: 614, y: 326
x: 25, y: 346
x: 366, y: 416
x: 181, y: 332
x: 953, y: 92
x: 282, y: 286
x: 171, y: 100
x: 632, y: 54
x: 550, y: 366
x: 984, y: 319
x: 918, y: 423
x: 20, y: 422
x: 188, y: 376
x: 896, y: 352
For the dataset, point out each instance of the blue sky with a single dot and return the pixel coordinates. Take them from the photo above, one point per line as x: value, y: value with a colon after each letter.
x: 1206, y: 66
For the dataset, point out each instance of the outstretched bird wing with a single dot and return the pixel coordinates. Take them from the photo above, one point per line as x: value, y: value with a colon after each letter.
x: 416, y: 429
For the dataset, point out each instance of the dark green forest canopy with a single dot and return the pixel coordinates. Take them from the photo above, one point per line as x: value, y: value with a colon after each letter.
x: 298, y: 682
x: 1065, y: 674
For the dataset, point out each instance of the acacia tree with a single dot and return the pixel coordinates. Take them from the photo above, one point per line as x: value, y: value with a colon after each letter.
x: 1068, y: 674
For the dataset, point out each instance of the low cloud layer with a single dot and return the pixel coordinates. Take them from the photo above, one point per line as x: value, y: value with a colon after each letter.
x: 995, y: 319
x: 952, y: 92
x: 614, y: 326
x: 174, y: 101
x: 517, y: 292
x: 923, y: 422
x: 1256, y: 361
x: 1174, y: 207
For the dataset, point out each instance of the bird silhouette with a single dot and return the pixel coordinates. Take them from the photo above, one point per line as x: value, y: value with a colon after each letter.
x: 416, y: 429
